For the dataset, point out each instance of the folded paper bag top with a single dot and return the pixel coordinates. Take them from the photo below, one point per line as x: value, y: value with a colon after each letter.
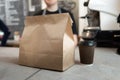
x: 47, y: 42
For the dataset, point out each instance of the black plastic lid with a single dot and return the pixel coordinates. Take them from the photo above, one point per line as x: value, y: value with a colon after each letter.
x: 88, y: 43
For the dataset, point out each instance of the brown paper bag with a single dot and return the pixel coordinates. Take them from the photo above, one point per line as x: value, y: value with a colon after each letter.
x: 47, y: 42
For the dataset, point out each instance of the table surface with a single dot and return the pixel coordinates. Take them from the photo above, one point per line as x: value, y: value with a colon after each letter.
x: 106, y: 66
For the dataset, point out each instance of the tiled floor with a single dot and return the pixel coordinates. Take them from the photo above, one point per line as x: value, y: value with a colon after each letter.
x: 106, y: 67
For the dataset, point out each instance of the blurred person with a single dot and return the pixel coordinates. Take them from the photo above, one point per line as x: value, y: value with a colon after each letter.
x: 6, y: 32
x: 53, y: 8
x: 118, y: 21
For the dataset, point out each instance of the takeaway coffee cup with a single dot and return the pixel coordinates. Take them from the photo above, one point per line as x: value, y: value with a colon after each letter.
x: 86, y: 49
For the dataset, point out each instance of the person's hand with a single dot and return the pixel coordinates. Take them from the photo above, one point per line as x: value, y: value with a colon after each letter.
x: 75, y: 39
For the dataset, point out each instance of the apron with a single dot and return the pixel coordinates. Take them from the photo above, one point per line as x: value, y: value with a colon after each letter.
x: 59, y: 10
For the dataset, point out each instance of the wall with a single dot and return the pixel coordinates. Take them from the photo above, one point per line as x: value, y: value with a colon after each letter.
x: 12, y: 14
